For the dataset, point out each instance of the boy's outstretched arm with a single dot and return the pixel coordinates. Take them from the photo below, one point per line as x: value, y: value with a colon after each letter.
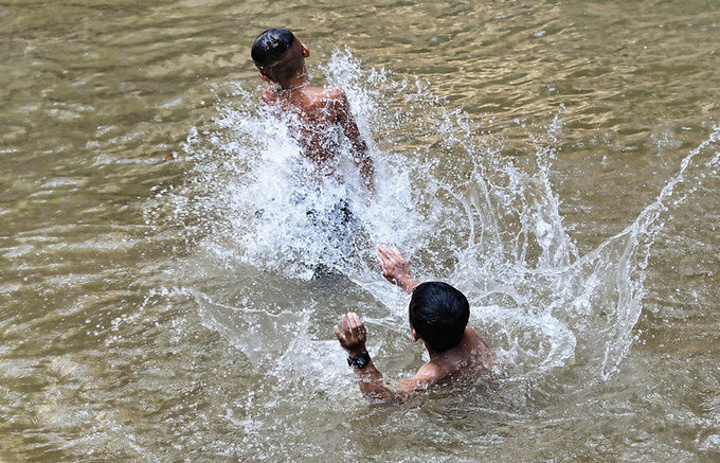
x: 360, y: 151
x: 395, y: 268
x: 352, y: 338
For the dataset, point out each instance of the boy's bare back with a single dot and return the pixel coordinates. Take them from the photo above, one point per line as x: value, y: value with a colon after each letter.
x: 319, y: 112
x: 323, y: 114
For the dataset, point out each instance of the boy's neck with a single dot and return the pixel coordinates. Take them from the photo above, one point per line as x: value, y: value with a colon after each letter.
x: 452, y: 352
x: 298, y: 81
x: 463, y: 348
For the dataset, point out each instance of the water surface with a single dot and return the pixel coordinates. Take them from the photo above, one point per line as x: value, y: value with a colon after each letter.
x: 557, y: 161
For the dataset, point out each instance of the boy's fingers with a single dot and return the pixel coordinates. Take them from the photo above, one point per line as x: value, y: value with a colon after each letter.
x: 388, y: 254
x: 382, y: 251
x: 338, y: 333
x: 353, y: 320
x: 385, y: 258
x: 360, y: 326
x: 351, y: 324
x: 356, y: 325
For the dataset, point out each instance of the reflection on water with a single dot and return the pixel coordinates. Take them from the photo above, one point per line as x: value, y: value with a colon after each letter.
x: 557, y: 162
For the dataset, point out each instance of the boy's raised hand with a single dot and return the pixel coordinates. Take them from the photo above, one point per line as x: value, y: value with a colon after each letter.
x: 352, y: 334
x: 395, y: 268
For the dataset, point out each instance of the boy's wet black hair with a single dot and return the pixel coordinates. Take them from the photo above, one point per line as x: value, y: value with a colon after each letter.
x: 271, y: 54
x: 439, y: 313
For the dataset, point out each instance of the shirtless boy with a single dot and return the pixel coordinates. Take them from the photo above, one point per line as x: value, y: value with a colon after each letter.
x: 280, y: 58
x: 438, y: 316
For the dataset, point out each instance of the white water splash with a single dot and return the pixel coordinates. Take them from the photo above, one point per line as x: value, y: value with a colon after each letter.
x: 447, y: 197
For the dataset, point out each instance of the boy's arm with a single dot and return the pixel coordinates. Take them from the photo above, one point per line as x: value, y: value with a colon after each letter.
x: 360, y: 151
x: 395, y: 268
x: 352, y: 339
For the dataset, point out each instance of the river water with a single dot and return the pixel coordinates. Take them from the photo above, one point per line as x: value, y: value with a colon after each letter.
x: 556, y: 161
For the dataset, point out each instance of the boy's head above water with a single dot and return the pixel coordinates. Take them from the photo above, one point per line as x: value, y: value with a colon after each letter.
x: 279, y: 55
x: 439, y: 314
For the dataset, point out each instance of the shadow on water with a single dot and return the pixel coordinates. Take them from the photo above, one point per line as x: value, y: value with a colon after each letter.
x: 459, y: 209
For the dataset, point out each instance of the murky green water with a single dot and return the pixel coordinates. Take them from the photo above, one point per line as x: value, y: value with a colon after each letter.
x: 558, y: 161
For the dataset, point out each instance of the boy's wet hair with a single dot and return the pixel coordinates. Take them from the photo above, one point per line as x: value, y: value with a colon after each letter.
x: 439, y: 313
x: 277, y: 54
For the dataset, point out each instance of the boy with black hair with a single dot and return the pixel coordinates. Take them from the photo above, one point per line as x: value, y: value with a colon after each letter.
x: 280, y: 59
x: 438, y: 315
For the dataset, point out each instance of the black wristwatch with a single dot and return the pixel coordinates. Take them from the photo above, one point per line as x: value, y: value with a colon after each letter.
x: 359, y: 361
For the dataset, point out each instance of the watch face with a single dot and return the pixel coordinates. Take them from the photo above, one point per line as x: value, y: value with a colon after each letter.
x: 359, y: 361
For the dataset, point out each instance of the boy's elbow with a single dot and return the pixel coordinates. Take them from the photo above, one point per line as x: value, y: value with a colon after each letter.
x: 362, y: 154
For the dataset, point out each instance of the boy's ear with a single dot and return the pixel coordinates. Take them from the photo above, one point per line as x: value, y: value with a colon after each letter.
x: 305, y: 50
x: 416, y: 336
x: 264, y: 77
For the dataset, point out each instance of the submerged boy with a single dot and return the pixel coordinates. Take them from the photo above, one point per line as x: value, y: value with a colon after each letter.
x: 439, y: 316
x: 320, y: 112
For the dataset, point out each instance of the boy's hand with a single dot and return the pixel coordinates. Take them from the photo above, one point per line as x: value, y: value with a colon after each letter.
x: 352, y: 334
x: 395, y: 268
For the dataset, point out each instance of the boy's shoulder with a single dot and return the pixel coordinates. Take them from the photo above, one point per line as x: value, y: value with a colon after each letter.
x: 332, y: 92
x: 320, y: 93
x: 325, y: 95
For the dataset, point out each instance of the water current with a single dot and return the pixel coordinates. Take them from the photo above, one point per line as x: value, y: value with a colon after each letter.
x: 170, y: 278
